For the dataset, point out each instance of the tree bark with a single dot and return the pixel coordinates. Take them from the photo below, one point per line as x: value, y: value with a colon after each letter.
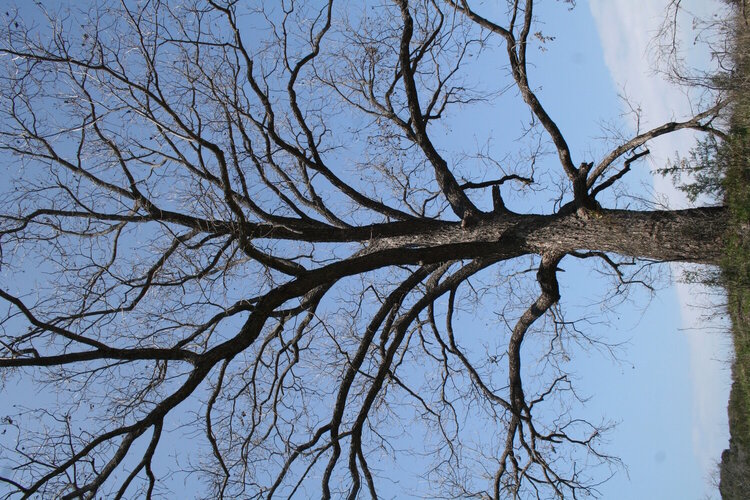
x: 692, y: 235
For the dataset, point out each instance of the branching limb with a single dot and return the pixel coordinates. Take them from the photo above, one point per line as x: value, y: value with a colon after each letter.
x: 460, y: 203
x: 516, y: 49
x: 701, y: 121
x: 619, y: 175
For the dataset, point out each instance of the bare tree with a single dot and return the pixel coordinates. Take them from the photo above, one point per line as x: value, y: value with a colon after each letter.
x: 239, y: 220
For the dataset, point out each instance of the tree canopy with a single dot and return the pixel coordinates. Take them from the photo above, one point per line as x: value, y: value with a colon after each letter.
x: 240, y: 220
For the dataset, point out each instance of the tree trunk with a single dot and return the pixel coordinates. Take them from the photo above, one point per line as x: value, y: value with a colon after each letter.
x: 693, y: 235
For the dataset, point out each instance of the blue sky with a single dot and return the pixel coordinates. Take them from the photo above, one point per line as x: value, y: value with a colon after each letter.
x: 668, y: 387
x: 626, y: 30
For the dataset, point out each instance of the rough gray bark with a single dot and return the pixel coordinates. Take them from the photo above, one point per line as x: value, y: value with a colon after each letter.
x: 692, y: 235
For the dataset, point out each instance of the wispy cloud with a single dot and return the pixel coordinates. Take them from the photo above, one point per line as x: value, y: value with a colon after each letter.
x: 626, y: 29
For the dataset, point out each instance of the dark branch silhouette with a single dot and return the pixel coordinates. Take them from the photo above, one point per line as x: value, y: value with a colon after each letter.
x: 240, y: 221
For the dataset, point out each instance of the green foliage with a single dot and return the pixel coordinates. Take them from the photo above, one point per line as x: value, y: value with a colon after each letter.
x: 702, y: 173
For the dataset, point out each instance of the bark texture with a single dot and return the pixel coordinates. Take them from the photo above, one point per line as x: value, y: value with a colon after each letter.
x: 693, y: 235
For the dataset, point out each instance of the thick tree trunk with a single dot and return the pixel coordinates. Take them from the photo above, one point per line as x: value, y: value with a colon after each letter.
x: 693, y: 235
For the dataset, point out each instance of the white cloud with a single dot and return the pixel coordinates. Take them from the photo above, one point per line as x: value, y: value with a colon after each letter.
x: 626, y: 30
